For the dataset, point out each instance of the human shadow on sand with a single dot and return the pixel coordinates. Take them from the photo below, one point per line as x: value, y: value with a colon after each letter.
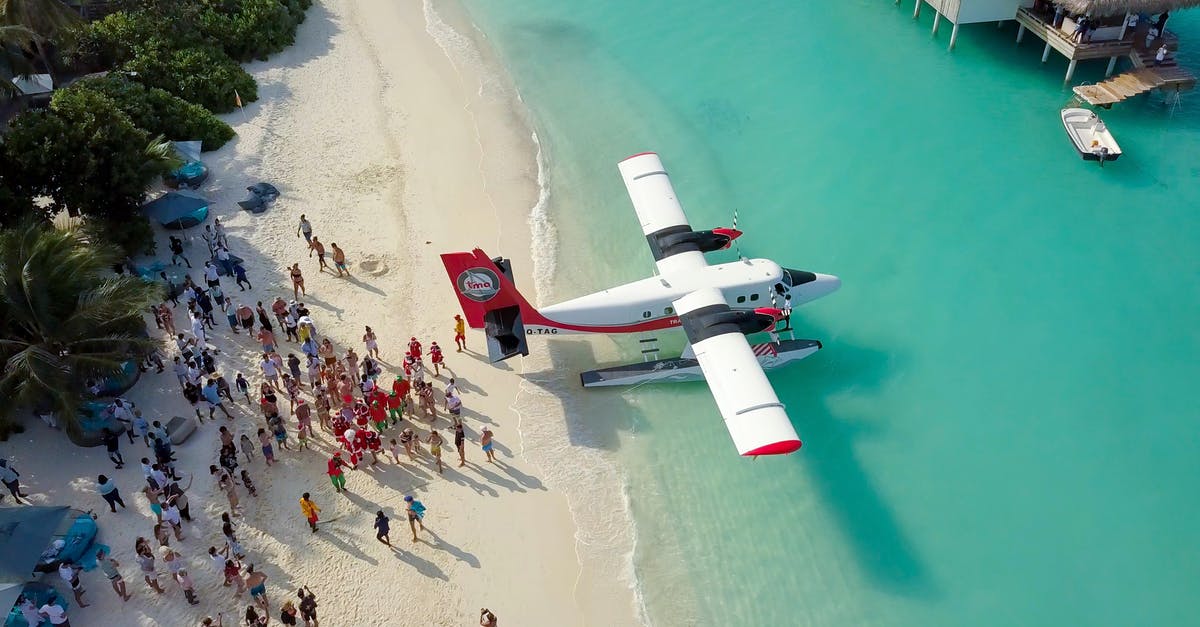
x: 454, y: 474
x: 442, y: 544
x: 422, y: 565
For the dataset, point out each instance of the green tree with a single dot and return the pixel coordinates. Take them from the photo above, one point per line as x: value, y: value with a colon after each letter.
x: 160, y: 113
x: 36, y: 26
x: 202, y: 75
x: 87, y: 157
x: 65, y: 318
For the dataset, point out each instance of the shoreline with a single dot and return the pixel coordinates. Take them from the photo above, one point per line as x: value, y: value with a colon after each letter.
x: 375, y: 131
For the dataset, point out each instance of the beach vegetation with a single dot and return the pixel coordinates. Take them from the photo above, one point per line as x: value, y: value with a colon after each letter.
x: 160, y: 113
x: 65, y: 319
x: 201, y: 75
x: 29, y: 32
x: 83, y: 155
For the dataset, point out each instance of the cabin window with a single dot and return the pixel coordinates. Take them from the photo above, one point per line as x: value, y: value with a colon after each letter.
x: 669, y: 310
x: 741, y: 299
x: 754, y: 297
x: 645, y: 314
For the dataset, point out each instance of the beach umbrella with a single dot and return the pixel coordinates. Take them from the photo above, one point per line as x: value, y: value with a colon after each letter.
x: 24, y: 533
x: 178, y: 210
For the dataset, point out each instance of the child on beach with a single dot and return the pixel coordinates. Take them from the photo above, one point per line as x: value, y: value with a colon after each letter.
x: 249, y: 485
x: 243, y: 386
x: 265, y: 441
x: 435, y: 357
x: 310, y: 511
x: 371, y: 342
x: 247, y: 448
x: 435, y: 447
x: 189, y: 587
x: 485, y: 440
x: 394, y: 448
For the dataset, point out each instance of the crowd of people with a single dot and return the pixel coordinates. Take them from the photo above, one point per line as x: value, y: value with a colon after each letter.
x: 347, y: 393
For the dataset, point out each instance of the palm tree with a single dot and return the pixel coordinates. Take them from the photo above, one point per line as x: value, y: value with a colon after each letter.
x: 34, y: 26
x: 65, y: 318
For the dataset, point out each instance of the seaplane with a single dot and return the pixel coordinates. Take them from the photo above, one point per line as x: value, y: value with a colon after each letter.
x: 716, y: 306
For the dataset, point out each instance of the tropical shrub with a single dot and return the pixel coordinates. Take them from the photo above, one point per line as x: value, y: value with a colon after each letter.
x: 86, y: 156
x: 65, y: 318
x: 160, y: 113
x: 249, y: 29
x: 201, y: 75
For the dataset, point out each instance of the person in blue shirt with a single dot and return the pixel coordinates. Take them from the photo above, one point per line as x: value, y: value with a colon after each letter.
x: 108, y: 490
x: 212, y: 394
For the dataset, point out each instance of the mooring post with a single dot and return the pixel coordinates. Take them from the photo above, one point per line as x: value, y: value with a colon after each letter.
x: 1046, y: 52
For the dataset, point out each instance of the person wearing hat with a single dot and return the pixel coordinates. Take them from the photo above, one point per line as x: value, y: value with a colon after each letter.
x: 460, y: 333
x: 310, y: 511
x: 414, y: 347
x: 414, y: 511
x: 336, y: 475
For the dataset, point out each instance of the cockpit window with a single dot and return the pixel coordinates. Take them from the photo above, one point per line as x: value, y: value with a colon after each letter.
x: 779, y: 289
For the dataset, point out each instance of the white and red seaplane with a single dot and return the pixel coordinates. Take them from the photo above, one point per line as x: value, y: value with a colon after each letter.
x: 716, y: 305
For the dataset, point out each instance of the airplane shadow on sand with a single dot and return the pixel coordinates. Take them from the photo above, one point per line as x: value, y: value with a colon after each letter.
x: 883, y: 549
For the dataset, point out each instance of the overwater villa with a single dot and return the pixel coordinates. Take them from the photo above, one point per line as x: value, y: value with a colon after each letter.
x: 1089, y: 29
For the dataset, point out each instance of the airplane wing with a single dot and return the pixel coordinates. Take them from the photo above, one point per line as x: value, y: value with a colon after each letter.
x: 659, y: 212
x: 756, y: 419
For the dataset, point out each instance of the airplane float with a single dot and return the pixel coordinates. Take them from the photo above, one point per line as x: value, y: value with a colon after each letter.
x: 714, y: 304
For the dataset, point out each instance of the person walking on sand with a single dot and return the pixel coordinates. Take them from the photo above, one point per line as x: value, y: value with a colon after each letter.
x: 109, y: 566
x: 460, y: 443
x: 297, y: 281
x: 436, y: 358
x: 485, y: 440
x: 212, y: 396
x: 69, y: 573
x: 339, y: 259
x: 334, y: 470
x: 308, y: 607
x: 176, y: 246
x: 145, y: 560
x: 108, y: 490
x: 304, y: 229
x: 435, y: 447
x: 460, y: 333
x: 268, y: 451
x: 371, y: 342
x: 310, y: 511
x: 257, y: 582
x: 315, y: 246
x: 11, y: 480
x: 414, y: 510
x: 382, y: 527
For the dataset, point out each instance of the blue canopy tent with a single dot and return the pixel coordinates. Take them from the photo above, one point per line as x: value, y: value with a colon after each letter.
x: 178, y: 210
x: 193, y: 172
x: 24, y: 533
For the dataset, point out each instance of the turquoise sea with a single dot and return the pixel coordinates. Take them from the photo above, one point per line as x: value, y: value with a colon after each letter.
x: 1002, y: 427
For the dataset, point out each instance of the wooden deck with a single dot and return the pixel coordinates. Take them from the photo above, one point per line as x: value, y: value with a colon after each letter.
x: 1144, y: 77
x: 1068, y: 47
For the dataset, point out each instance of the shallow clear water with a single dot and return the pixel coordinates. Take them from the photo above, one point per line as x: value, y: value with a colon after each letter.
x: 1001, y: 428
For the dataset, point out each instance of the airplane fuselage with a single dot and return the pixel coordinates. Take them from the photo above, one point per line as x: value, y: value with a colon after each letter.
x: 648, y: 304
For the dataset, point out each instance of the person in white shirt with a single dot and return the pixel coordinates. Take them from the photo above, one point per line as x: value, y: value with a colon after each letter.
x: 70, y: 574
x: 1161, y: 55
x: 56, y: 613
x: 171, y: 516
x: 270, y: 371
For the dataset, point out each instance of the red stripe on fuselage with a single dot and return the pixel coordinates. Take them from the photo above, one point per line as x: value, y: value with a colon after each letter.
x: 533, y: 317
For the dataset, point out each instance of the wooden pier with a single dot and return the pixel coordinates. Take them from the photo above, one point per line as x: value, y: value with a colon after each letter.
x: 1146, y: 76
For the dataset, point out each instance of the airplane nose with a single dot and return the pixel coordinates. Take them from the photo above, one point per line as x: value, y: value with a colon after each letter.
x: 826, y: 284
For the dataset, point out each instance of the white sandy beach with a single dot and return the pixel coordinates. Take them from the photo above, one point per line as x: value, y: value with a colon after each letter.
x: 397, y: 148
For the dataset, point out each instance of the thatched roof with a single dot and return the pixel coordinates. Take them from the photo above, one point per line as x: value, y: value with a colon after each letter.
x: 1102, y: 8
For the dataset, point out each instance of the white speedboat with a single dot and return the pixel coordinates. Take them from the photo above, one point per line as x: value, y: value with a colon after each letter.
x: 1091, y: 137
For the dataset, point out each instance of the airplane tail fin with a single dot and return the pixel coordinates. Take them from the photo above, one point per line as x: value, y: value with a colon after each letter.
x: 490, y: 300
